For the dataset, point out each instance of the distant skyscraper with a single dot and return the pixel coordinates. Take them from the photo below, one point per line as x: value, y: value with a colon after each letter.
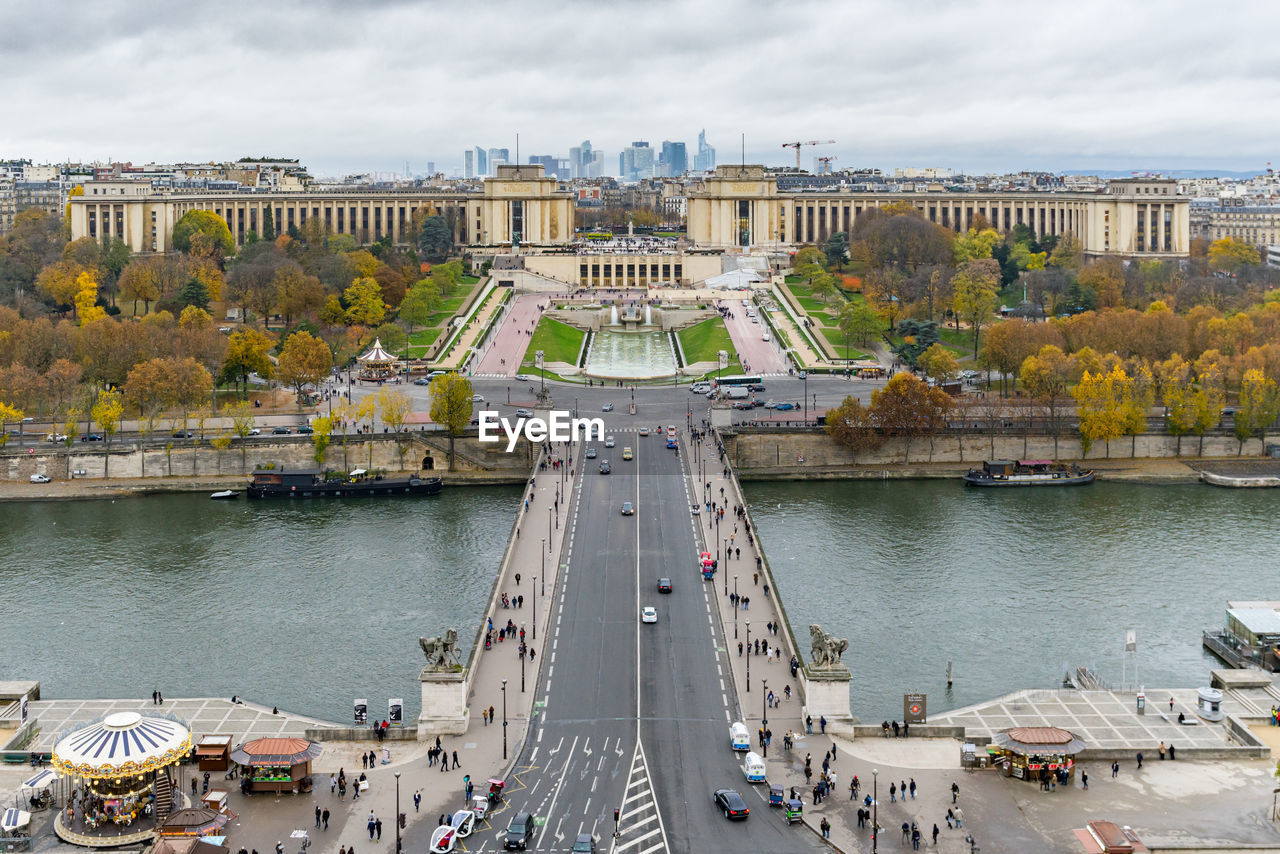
x: 482, y: 162
x: 496, y: 156
x: 580, y: 160
x: 675, y: 159
x: 705, y: 159
x: 468, y: 164
x: 636, y: 161
x: 551, y: 165
x: 596, y: 167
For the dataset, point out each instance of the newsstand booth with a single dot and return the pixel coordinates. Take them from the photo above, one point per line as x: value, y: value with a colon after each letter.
x: 276, y: 764
x: 1030, y: 753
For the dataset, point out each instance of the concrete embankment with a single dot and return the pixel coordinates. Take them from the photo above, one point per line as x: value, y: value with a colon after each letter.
x: 798, y: 453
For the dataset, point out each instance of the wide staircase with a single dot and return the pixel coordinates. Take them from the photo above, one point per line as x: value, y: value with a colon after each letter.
x: 164, y: 797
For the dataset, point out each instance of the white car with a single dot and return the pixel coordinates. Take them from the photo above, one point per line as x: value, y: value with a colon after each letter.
x: 254, y: 431
x: 44, y: 478
x: 764, y: 336
x: 477, y: 398
x: 648, y: 614
x: 609, y: 442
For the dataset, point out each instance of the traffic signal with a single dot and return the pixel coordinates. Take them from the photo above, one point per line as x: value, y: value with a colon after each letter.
x: 615, y: 816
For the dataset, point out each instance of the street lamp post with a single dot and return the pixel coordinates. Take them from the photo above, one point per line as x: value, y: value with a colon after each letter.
x: 875, y: 809
x: 748, y: 656
x: 504, y: 719
x: 548, y: 525
x: 735, y: 604
x: 535, y: 607
x: 397, y: 812
x: 806, y: 399
x: 764, y: 714
x: 522, y: 668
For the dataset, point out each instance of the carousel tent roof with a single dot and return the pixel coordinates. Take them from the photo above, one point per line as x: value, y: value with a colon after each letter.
x: 193, y: 820
x: 1038, y: 739
x: 276, y: 752
x: 123, y: 743
x: 13, y: 819
x: 376, y: 354
x: 187, y: 845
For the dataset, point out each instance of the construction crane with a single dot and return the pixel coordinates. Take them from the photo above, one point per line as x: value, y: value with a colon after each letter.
x: 825, y: 168
x: 797, y: 145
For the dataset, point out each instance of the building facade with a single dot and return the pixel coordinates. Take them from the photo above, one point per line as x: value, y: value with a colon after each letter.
x: 742, y: 206
x: 1256, y: 224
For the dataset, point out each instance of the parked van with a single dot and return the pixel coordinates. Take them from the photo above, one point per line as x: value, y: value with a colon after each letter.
x: 737, y: 392
x: 739, y: 737
x: 753, y: 767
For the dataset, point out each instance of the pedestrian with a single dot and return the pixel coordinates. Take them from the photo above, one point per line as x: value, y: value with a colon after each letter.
x: 484, y: 716
x: 756, y: 578
x: 1171, y: 750
x: 893, y: 793
x: 1162, y: 750
x: 955, y: 791
x: 364, y: 760
x: 417, y: 800
x: 160, y: 697
x: 333, y: 783
x: 378, y: 825
x: 324, y: 817
x: 853, y: 788
x: 913, y: 788
x: 1139, y: 760
x: 491, y: 713
x: 373, y: 824
x: 897, y: 731
x: 1115, y: 770
x: 915, y: 837
x: 1084, y: 780
x: 154, y: 697
x: 279, y: 847
x: 826, y: 828
x: 958, y: 815
x: 822, y: 721
x: 518, y: 574
x: 905, y: 727
x: 808, y: 724
x: 906, y: 831
x: 1171, y: 705
x: 342, y: 790
x: 444, y: 762
x: 935, y: 833
x: 456, y: 763
x: 902, y: 789
x: 740, y: 656
x: 318, y: 815
x: 950, y: 821
x: 193, y: 786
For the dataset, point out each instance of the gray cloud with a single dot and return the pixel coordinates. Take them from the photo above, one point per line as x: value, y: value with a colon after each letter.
x: 985, y: 84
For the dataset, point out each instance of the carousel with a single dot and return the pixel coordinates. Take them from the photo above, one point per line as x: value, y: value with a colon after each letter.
x: 122, y: 768
x: 378, y: 365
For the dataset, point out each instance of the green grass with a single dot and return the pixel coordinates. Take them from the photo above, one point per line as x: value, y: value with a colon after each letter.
x: 836, y: 339
x: 703, y: 341
x: 558, y: 341
x: 811, y: 304
x: 960, y: 343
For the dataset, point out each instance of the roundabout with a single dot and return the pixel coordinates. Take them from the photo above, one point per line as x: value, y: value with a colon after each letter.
x: 120, y: 773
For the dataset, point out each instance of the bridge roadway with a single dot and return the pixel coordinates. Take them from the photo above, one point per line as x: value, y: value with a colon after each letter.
x: 635, y: 716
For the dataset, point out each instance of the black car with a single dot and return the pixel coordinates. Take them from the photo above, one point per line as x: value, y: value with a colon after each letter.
x: 584, y: 844
x: 281, y: 431
x: 91, y: 437
x: 519, y: 832
x: 591, y: 453
x: 664, y: 585
x: 305, y: 429
x: 755, y: 387
x: 605, y: 468
x: 184, y: 434
x: 731, y: 804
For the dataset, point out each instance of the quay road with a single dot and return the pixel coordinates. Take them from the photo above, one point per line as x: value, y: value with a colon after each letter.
x: 635, y: 716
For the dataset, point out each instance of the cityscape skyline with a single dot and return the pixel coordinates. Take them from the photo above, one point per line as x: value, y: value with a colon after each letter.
x: 1104, y: 91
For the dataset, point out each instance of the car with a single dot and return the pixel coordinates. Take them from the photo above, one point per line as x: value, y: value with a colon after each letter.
x: 56, y: 437
x: 254, y: 431
x: 626, y: 453
x: 628, y: 509
x: 522, y: 412
x: 422, y: 381
x: 802, y: 375
x: 90, y: 437
x: 770, y: 404
x: 671, y: 443
x: 280, y: 431
x: 644, y: 431
x: 608, y: 407
x: 435, y: 374
x: 225, y: 330
x: 764, y: 336
x: 648, y: 614
x: 700, y: 388
x: 664, y: 585
x: 731, y: 803
x: 584, y: 844
x: 753, y: 318
x: 591, y: 453
x: 306, y: 429
x: 184, y: 434
x: 743, y: 404
x: 609, y: 442
x: 519, y: 832
x: 695, y: 509
x: 710, y: 394
x: 525, y: 378
x: 605, y: 468
x: 477, y: 398
x: 39, y: 478
x: 755, y: 387
x: 785, y: 407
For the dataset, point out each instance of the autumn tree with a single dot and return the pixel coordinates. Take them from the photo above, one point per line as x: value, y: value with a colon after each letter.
x: 975, y: 244
x: 1230, y: 254
x: 304, y: 361
x: 886, y: 291
x: 394, y: 408
x: 908, y: 408
x: 1046, y: 376
x: 60, y: 282
x: 242, y: 425
x: 451, y: 405
x: 148, y: 389
x: 1105, y: 276
x: 1173, y: 378
x: 858, y: 321
x: 86, y: 299
x: 938, y: 363
x: 62, y: 383
x: 1068, y: 254
x: 1107, y: 404
x: 851, y: 424
x: 364, y: 302
x: 246, y: 354
x: 295, y: 292
x: 204, y: 231
x: 1259, y: 406
x: 321, y: 432
x: 975, y: 284
x: 106, y: 412
x: 8, y: 415
x: 898, y: 237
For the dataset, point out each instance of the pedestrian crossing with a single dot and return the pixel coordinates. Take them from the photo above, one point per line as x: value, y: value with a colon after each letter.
x: 640, y: 828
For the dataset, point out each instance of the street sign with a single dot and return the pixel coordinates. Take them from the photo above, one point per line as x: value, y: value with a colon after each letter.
x: 361, y: 710
x: 914, y: 708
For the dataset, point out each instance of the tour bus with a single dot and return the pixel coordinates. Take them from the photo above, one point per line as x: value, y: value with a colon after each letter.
x: 737, y: 380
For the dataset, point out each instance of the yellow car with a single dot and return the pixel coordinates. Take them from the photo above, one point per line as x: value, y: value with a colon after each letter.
x: 626, y: 453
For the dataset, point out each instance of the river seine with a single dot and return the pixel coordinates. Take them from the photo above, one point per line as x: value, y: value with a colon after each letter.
x: 1013, y: 585
x: 304, y: 605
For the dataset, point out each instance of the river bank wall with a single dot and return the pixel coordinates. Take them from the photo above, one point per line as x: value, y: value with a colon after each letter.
x: 799, y: 453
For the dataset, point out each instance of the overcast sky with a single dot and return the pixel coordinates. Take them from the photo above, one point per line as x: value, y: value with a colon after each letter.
x: 975, y: 85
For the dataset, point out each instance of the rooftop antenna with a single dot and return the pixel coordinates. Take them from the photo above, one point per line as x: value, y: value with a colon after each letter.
x: 517, y: 154
x: 744, y: 152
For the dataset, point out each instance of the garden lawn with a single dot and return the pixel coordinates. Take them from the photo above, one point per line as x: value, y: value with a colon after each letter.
x: 559, y: 342
x: 703, y: 341
x: 836, y: 338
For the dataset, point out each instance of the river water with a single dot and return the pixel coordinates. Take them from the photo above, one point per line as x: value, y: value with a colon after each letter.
x: 304, y: 605
x: 307, y: 605
x: 1013, y: 585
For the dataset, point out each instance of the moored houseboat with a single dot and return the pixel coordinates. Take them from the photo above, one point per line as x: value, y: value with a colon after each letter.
x: 311, y: 483
x: 1027, y: 473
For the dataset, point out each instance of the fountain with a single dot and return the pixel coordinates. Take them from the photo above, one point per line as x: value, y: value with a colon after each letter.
x: 630, y: 355
x: 648, y: 315
x: 613, y: 315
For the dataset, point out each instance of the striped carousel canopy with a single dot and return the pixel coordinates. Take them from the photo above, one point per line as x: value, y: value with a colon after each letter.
x: 122, y: 744
x: 376, y: 355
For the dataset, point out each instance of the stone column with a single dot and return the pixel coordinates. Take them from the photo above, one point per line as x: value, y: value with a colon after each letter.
x: 826, y: 694
x: 444, y: 704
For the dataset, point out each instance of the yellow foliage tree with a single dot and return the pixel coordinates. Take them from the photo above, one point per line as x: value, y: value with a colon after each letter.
x: 8, y: 414
x: 451, y: 405
x: 87, y: 308
x: 1100, y: 406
